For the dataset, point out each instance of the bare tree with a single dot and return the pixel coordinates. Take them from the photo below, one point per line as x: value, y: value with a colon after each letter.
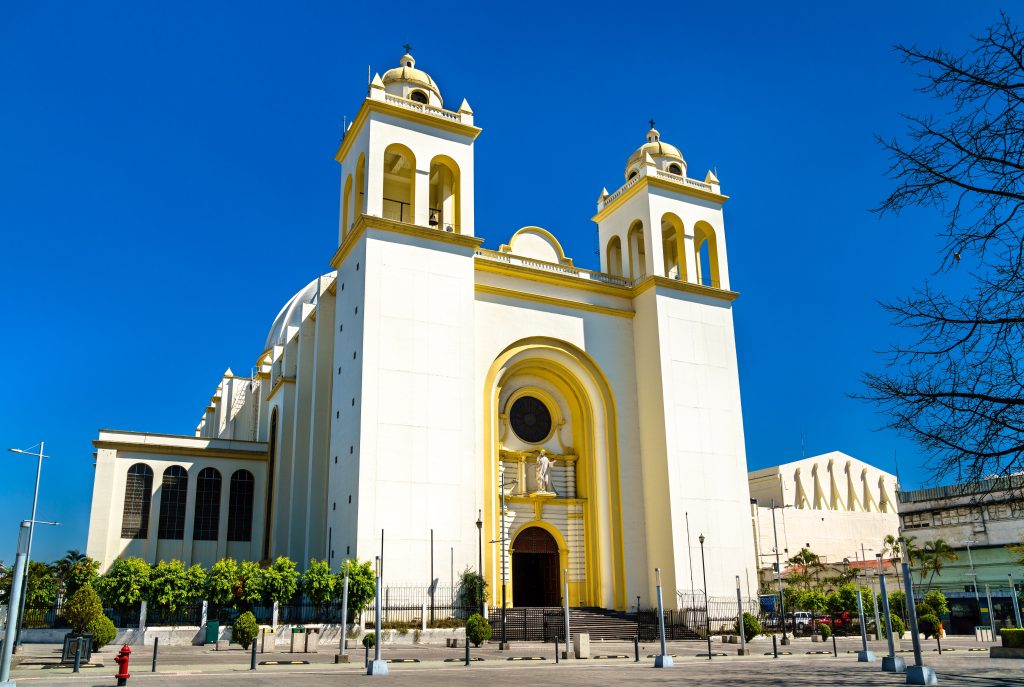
x: 955, y: 383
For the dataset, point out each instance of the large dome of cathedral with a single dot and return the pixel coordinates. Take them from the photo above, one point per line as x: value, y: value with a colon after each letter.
x: 291, y: 313
x: 664, y: 155
x: 407, y: 81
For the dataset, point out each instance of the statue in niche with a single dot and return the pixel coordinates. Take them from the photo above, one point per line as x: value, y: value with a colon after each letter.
x: 543, y: 473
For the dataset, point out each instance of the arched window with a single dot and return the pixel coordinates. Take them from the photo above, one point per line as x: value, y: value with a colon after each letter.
x: 207, y: 518
x: 346, y: 207
x: 138, y: 490
x: 444, y: 194
x: 243, y: 487
x: 675, y: 169
x: 173, y: 497
x: 268, y: 510
x: 637, y: 252
x: 613, y: 257
x: 706, y: 247
x: 672, y: 247
x: 359, y: 193
x: 399, y: 184
x: 631, y: 175
x: 419, y: 97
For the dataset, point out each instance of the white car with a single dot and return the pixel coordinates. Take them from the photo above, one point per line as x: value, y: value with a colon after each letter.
x: 801, y: 619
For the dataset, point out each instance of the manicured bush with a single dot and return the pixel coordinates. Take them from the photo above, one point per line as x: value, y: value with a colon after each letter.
x: 929, y: 625
x: 1012, y: 637
x: 102, y: 630
x: 898, y: 628
x: 751, y: 626
x: 82, y: 608
x: 478, y: 630
x: 825, y: 631
x: 245, y: 629
x: 370, y: 639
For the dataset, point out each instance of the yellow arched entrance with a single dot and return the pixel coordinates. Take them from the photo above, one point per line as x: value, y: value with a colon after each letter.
x: 595, y: 441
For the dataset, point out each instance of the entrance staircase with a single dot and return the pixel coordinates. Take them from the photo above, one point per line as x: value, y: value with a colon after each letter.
x: 541, y: 624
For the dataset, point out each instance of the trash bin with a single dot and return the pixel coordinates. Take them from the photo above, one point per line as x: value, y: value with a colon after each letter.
x: 312, y: 640
x: 71, y: 643
x: 212, y: 632
x: 298, y: 640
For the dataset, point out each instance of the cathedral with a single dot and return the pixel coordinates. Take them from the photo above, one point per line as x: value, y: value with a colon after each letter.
x: 438, y: 398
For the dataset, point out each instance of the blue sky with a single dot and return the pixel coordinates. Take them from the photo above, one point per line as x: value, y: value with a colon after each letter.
x: 167, y: 181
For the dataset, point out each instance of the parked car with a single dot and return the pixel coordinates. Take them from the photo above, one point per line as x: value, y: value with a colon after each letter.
x: 801, y: 620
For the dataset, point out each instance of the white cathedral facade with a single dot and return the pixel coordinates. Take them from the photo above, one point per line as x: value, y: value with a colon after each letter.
x: 395, y: 394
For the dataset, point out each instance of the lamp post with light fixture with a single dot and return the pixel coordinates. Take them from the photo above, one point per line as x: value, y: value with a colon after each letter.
x: 20, y: 615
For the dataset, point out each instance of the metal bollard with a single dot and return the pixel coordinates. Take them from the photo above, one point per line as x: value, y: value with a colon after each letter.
x: 775, y: 648
x: 939, y: 642
x: 156, y: 648
x: 366, y: 655
x: 252, y: 661
x: 636, y: 648
x: 78, y: 656
x: 835, y: 649
x: 467, y: 652
x: 556, y: 648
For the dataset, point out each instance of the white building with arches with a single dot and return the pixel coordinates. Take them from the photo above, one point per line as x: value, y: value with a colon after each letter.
x: 397, y: 392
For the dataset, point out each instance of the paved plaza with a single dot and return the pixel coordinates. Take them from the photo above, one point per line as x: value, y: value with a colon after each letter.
x: 958, y: 665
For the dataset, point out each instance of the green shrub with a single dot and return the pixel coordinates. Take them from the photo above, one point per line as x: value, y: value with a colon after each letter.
x: 370, y: 639
x: 1012, y: 637
x: 478, y: 630
x: 102, y: 630
x: 929, y: 625
x: 245, y: 629
x: 83, y: 608
x: 898, y: 627
x: 825, y: 630
x: 751, y: 626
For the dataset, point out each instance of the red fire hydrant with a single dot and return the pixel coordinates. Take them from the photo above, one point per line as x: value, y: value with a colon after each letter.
x: 122, y: 661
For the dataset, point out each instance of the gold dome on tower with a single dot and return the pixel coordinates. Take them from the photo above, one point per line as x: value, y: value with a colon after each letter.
x: 666, y: 156
x: 409, y: 82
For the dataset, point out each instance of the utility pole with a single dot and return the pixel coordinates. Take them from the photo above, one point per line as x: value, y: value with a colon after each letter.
x: 973, y: 576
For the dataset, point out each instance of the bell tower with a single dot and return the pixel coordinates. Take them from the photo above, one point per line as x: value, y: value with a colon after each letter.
x: 402, y: 374
x: 664, y: 234
x: 407, y: 159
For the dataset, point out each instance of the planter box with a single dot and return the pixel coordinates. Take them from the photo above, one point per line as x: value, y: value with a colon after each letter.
x: 1006, y: 652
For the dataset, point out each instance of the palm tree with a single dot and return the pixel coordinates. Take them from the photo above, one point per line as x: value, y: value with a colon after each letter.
x: 934, y: 553
x: 808, y: 564
x: 892, y: 549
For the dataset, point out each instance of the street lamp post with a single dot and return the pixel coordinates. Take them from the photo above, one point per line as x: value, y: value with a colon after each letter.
x: 778, y: 571
x: 742, y: 625
x: 707, y: 609
x: 480, y: 558
x: 20, y: 562
x: 973, y: 575
x: 20, y: 616
x: 377, y: 666
x: 663, y: 660
x: 503, y: 645
x: 1013, y: 597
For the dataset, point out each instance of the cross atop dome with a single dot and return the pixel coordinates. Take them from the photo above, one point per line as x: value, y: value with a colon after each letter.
x: 407, y: 81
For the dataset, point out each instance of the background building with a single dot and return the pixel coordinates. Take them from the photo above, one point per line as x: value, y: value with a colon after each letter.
x: 832, y: 504
x: 393, y: 395
x: 978, y: 521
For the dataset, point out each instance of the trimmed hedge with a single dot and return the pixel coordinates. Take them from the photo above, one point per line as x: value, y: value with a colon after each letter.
x: 1012, y: 637
x: 245, y: 629
x: 102, y: 630
x: 478, y: 629
x: 929, y: 625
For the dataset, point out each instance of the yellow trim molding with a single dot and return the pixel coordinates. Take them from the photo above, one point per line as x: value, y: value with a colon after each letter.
x: 663, y: 184
x: 551, y: 300
x: 367, y: 222
x: 383, y: 107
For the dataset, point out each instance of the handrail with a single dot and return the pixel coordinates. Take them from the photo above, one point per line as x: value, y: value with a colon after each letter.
x: 422, y: 107
x: 569, y: 270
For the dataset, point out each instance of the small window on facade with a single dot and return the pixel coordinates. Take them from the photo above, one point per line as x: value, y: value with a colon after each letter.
x: 675, y: 169
x: 173, y: 497
x: 632, y: 174
x: 207, y: 518
x: 419, y: 97
x: 243, y: 487
x: 138, y: 490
